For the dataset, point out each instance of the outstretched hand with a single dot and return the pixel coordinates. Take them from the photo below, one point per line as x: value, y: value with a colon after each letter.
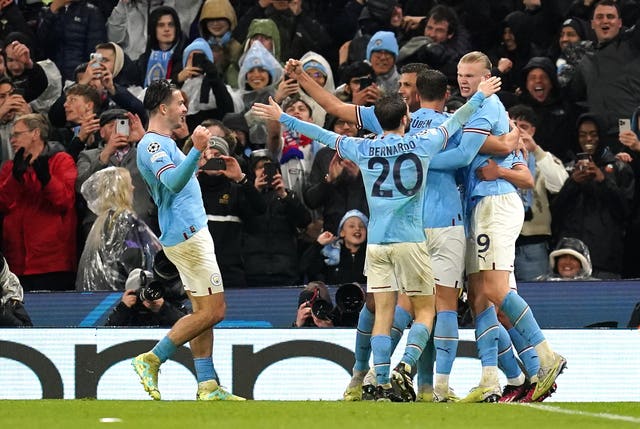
x: 490, y: 86
x: 270, y: 111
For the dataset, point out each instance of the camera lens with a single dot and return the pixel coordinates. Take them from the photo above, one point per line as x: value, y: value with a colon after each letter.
x: 321, y: 309
x: 151, y: 292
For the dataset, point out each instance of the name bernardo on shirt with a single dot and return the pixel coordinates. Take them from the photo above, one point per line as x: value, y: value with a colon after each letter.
x: 400, y: 147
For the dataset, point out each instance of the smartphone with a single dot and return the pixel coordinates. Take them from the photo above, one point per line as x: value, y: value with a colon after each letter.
x: 18, y: 91
x: 122, y: 127
x: 270, y: 170
x: 583, y: 156
x: 97, y: 58
x: 365, y: 82
x: 198, y: 60
x: 624, y: 125
x: 215, y: 164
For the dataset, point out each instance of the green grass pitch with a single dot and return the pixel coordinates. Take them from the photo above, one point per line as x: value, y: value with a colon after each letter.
x: 86, y: 414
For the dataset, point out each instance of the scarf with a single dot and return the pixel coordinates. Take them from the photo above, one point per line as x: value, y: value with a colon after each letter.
x: 293, y: 142
x: 157, y: 66
x: 222, y: 41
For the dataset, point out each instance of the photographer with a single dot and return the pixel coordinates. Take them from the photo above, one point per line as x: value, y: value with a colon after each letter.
x: 12, y: 311
x: 148, y: 302
x: 315, y: 308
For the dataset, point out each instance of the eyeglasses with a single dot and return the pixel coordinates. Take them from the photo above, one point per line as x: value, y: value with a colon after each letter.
x: 316, y: 75
x: 16, y: 134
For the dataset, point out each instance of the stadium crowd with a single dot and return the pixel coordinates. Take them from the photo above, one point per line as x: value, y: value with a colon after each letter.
x: 282, y: 208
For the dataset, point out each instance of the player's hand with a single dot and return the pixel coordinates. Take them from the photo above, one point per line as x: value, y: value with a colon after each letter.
x: 490, y: 86
x: 293, y: 68
x: 488, y: 172
x: 200, y: 138
x: 270, y: 111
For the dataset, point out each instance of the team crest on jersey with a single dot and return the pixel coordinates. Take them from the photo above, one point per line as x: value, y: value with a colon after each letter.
x: 431, y: 131
x: 216, y: 279
x: 153, y: 147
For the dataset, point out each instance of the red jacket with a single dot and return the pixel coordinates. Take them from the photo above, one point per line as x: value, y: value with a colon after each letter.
x: 39, y: 227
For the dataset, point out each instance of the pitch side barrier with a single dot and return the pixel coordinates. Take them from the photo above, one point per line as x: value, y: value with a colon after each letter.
x: 556, y: 305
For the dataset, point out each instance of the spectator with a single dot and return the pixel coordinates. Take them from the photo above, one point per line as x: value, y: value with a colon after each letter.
x: 237, y: 124
x: 543, y: 93
x: 68, y: 32
x: 98, y: 74
x: 12, y: 311
x: 532, y: 246
x: 299, y: 31
x: 444, y: 42
x: 13, y: 21
x: 117, y: 148
x: 339, y: 259
x: 570, y: 260
x: 257, y: 81
x: 37, y: 199
x: 335, y: 185
x: 147, y: 301
x: 27, y: 75
x: 117, y: 63
x: 316, y: 66
x: 229, y: 199
x: 358, y: 84
x: 217, y: 21
x: 118, y: 241
x: 608, y: 80
x: 270, y: 250
x: 382, y: 51
x: 12, y: 105
x: 573, y: 44
x: 207, y: 94
x: 162, y: 58
x: 81, y: 106
x: 594, y: 203
x: 128, y: 23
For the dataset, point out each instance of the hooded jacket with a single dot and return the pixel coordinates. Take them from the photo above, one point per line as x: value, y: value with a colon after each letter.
x: 228, y: 52
x: 318, y: 112
x: 577, y: 249
x: 553, y: 113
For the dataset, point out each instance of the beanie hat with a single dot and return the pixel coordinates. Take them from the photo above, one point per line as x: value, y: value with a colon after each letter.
x: 382, y: 41
x: 577, y: 24
x: 220, y: 144
x: 313, y: 64
x: 353, y: 213
x: 197, y: 45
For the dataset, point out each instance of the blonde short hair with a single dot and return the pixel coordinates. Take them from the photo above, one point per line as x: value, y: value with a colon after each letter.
x: 477, y: 57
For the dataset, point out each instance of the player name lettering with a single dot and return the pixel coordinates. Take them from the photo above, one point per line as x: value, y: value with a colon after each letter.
x: 400, y: 147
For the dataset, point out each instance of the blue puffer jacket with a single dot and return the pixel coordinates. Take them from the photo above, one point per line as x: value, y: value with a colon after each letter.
x: 70, y: 36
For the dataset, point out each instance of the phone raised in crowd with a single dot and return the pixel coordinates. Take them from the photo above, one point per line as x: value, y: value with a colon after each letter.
x: 122, y: 127
x: 624, y: 125
x: 583, y: 156
x: 270, y: 170
x: 215, y: 164
x: 198, y: 60
x: 365, y: 82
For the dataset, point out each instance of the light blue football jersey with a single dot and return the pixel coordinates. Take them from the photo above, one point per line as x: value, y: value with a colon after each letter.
x: 178, y: 197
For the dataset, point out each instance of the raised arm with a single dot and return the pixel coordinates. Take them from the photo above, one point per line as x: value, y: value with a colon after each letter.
x: 324, y: 98
x: 272, y: 111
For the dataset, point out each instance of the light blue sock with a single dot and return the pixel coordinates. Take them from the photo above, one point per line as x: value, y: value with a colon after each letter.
x: 487, y: 337
x: 527, y: 353
x: 521, y: 317
x: 363, y: 340
x: 425, y: 364
x: 205, y: 370
x: 445, y: 339
x: 507, y: 361
x: 164, y: 349
x: 401, y: 319
x: 416, y: 343
x: 381, y: 349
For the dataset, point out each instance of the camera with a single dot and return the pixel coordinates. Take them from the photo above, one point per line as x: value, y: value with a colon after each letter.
x: 350, y: 299
x: 150, y: 289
